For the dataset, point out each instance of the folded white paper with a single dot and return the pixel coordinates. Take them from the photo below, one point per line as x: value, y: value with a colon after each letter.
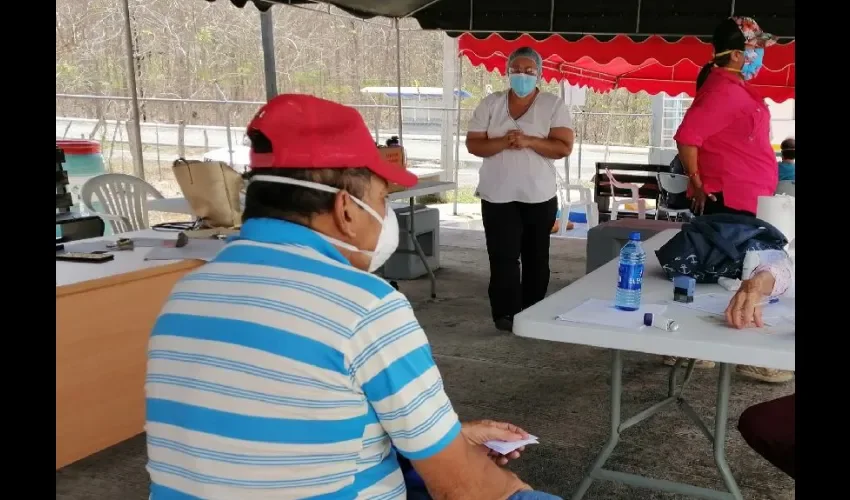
x: 505, y: 447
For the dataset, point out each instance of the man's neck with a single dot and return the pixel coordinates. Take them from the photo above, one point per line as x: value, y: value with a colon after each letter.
x: 324, y: 224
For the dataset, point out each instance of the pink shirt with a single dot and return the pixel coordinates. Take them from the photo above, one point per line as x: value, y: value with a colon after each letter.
x: 730, y: 124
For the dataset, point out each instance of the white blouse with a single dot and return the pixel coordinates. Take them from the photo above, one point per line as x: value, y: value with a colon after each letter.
x: 518, y: 175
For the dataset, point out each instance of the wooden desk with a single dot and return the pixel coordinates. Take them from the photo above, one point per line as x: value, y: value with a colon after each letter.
x: 104, y: 316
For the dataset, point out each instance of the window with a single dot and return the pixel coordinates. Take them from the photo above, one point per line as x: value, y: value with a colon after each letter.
x: 673, y: 113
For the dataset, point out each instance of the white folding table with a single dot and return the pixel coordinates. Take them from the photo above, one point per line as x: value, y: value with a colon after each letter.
x: 423, y: 188
x: 700, y: 336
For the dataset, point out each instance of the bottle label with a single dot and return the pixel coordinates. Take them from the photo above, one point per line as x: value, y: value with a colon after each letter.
x: 631, y: 276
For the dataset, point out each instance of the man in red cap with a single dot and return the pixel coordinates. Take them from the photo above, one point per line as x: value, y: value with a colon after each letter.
x: 284, y: 368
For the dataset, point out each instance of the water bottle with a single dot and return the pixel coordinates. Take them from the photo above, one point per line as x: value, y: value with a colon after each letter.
x: 630, y: 279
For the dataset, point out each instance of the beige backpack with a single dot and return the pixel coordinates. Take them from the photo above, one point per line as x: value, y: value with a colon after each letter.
x: 212, y: 189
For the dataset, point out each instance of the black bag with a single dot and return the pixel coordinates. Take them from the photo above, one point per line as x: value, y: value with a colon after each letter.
x: 714, y: 246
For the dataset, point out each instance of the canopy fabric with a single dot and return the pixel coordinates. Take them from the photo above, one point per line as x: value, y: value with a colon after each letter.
x: 571, y: 18
x: 653, y: 65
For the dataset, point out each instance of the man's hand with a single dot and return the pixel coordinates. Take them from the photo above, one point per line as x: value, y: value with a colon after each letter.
x: 481, y: 431
x: 699, y: 197
x: 745, y: 307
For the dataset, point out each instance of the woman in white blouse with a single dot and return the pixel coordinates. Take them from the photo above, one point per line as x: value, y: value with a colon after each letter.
x: 519, y: 133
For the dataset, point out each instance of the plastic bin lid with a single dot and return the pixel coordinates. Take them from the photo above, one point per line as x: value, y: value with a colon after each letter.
x: 78, y: 146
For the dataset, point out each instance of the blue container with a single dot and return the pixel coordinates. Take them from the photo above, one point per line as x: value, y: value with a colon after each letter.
x: 577, y: 215
x: 630, y: 275
x: 83, y: 160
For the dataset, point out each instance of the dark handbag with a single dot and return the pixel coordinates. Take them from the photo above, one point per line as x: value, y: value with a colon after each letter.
x: 713, y: 246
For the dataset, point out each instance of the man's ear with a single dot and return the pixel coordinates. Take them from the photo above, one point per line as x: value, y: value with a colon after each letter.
x: 343, y: 213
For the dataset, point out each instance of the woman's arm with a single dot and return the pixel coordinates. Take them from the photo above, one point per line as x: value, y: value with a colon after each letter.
x: 558, y: 145
x: 478, y: 144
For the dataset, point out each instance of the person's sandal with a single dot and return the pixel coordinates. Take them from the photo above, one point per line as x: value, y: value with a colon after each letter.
x: 701, y: 363
x: 769, y: 375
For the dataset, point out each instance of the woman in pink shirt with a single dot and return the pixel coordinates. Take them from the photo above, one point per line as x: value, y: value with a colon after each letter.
x: 724, y: 138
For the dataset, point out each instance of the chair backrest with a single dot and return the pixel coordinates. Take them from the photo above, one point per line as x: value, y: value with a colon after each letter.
x: 120, y: 194
x: 628, y: 173
x: 672, y: 183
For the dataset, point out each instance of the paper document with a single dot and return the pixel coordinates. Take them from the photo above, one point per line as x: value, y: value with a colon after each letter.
x: 505, y: 447
x: 195, y: 249
x: 716, y: 303
x: 603, y: 312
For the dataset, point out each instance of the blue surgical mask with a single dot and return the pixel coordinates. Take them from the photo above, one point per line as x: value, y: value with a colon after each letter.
x: 523, y: 84
x: 753, y: 62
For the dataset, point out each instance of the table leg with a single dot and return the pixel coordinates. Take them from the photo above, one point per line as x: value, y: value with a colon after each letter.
x: 614, y: 436
x: 412, y: 232
x: 720, y: 420
x: 718, y: 437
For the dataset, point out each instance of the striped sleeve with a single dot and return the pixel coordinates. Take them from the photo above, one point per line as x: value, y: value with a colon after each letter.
x: 391, y: 361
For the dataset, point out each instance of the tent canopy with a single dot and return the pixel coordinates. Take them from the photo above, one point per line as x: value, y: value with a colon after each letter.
x: 653, y: 65
x: 572, y: 18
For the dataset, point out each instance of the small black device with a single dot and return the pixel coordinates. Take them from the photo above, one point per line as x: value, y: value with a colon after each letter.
x: 94, y: 257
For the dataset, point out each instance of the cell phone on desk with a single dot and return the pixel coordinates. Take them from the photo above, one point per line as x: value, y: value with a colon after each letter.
x: 93, y: 257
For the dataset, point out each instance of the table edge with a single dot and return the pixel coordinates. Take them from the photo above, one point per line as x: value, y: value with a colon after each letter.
x: 117, y: 279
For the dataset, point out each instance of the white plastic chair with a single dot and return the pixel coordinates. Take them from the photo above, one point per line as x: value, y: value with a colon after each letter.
x: 585, y: 199
x: 672, y: 184
x: 123, y: 198
x: 617, y: 202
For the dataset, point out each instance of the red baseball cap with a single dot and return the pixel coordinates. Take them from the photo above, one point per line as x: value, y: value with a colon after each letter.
x: 309, y: 132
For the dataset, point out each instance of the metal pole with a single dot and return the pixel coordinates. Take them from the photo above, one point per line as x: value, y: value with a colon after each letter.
x: 398, y: 81
x: 563, y: 88
x: 457, y: 135
x: 226, y: 122
x: 139, y: 164
x: 267, y: 39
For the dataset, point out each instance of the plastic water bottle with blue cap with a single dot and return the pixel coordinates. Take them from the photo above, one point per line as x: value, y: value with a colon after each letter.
x: 630, y: 276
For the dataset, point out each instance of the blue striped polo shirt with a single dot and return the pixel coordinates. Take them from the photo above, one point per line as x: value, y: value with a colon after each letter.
x: 278, y: 370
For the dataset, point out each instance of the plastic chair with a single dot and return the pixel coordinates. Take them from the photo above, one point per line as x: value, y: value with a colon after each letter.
x: 672, y: 184
x: 617, y: 202
x: 123, y: 198
x: 585, y: 199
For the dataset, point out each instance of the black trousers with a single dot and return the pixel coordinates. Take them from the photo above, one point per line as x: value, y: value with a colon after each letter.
x: 718, y: 207
x: 769, y: 429
x: 517, y: 232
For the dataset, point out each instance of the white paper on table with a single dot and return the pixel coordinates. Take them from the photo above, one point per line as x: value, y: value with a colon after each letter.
x: 603, y: 312
x: 195, y: 249
x: 505, y: 447
x: 716, y: 303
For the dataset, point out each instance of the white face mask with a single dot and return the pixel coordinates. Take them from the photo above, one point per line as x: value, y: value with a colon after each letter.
x: 387, y: 240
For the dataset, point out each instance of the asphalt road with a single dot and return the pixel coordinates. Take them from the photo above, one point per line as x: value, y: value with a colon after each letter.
x: 421, y: 147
